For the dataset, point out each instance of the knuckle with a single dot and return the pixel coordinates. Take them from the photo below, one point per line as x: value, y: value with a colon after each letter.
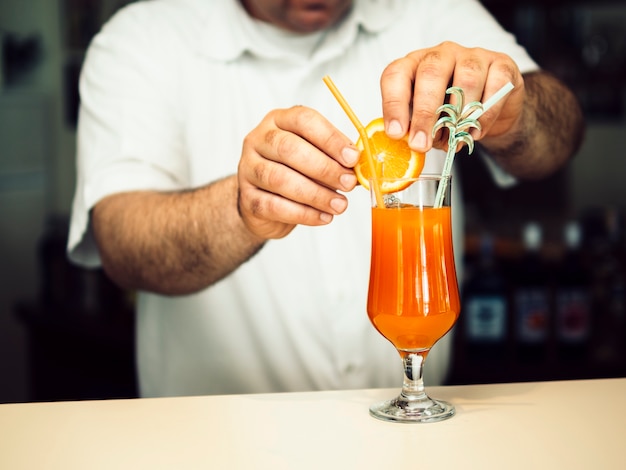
x: 399, y: 70
x: 433, y: 55
x: 267, y: 207
x: 281, y: 142
x: 430, y: 68
x: 256, y: 207
x: 298, y: 192
x: 448, y: 45
x: 472, y: 64
x: 428, y: 71
x: 393, y: 102
x: 508, y: 70
x: 271, y: 136
x: 421, y: 115
x: 302, y: 115
x: 248, y: 144
x: 394, y: 68
x: 249, y: 202
x: 268, y: 177
x: 469, y: 81
x: 319, y: 196
x: 259, y: 172
x: 273, y: 178
x: 327, y: 171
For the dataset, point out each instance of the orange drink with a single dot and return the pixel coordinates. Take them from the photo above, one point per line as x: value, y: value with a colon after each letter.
x: 413, y: 297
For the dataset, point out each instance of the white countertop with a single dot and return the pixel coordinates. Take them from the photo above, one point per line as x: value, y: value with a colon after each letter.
x: 542, y: 425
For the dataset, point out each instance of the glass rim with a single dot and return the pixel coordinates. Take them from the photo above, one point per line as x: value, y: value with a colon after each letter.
x: 423, y: 176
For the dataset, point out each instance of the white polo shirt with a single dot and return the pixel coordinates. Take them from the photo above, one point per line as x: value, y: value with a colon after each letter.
x: 168, y: 92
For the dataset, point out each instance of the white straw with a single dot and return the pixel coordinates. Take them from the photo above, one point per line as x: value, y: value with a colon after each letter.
x: 501, y: 93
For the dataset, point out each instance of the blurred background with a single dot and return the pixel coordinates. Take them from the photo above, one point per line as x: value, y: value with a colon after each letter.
x: 545, y: 290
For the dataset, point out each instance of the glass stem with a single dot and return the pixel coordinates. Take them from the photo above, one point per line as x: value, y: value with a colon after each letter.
x: 413, y: 385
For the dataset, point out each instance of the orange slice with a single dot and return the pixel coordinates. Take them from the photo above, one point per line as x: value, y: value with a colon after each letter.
x: 392, y: 158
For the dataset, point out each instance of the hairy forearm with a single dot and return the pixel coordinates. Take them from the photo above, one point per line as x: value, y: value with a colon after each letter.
x: 172, y: 243
x: 548, y: 133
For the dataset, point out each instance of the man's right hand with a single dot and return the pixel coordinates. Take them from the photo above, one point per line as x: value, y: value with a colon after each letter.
x: 292, y: 166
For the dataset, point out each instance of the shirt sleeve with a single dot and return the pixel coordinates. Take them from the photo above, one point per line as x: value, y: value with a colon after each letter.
x: 128, y: 135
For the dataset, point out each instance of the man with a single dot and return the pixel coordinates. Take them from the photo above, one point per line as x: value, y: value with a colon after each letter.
x: 215, y: 173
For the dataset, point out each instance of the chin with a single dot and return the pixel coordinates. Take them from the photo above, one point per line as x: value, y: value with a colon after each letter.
x: 311, y: 27
x: 314, y: 19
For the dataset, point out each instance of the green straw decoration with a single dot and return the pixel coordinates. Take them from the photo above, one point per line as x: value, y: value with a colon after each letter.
x: 459, y: 119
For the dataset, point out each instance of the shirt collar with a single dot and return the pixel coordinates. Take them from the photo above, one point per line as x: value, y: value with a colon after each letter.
x: 227, y: 32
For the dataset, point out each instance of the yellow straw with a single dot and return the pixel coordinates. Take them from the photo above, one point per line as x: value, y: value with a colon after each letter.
x: 359, y: 127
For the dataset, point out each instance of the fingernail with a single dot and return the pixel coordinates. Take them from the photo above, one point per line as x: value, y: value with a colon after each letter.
x: 338, y: 204
x: 395, y: 129
x: 326, y: 218
x: 419, y: 141
x: 348, y: 181
x: 350, y: 155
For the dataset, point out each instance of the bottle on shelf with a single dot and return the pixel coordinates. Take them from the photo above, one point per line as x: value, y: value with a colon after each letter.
x: 608, y: 271
x: 485, y: 308
x: 572, y: 298
x: 531, y: 298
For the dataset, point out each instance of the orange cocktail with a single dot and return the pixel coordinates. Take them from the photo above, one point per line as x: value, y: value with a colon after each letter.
x: 413, y: 297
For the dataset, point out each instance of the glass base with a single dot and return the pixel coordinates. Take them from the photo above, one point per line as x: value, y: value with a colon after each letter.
x: 406, y: 410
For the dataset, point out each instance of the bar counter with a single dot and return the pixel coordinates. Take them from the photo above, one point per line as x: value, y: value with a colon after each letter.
x: 535, y: 425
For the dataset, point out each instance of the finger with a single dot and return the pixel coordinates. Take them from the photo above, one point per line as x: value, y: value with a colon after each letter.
x: 471, y: 74
x: 396, y: 87
x: 284, y: 181
x: 272, y: 216
x: 319, y: 132
x: 297, y: 153
x: 501, y: 71
x: 432, y: 79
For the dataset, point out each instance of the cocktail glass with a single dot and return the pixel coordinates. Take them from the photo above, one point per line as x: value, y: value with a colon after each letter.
x: 413, y: 298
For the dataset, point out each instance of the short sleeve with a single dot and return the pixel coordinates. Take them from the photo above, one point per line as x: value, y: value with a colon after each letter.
x: 128, y: 135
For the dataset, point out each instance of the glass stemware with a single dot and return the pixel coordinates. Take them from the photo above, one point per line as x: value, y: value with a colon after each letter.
x: 413, y: 298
